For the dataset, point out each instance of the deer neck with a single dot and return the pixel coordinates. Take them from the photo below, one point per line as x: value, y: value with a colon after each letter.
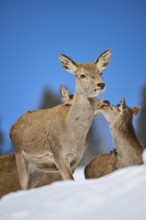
x: 80, y: 115
x: 128, y: 147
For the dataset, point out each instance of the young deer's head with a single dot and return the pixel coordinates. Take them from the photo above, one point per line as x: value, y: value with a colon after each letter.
x: 88, y: 75
x: 119, y: 113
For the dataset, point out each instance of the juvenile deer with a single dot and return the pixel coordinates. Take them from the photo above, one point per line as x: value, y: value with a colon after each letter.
x: 54, y: 140
x: 128, y: 149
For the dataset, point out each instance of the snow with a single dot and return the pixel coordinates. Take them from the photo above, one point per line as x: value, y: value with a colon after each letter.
x: 120, y: 195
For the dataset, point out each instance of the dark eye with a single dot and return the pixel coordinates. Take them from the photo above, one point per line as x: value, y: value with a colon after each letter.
x: 82, y: 76
x: 101, y: 73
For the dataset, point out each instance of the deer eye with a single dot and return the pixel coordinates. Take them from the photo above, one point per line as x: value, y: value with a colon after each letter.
x: 82, y: 76
x: 101, y: 73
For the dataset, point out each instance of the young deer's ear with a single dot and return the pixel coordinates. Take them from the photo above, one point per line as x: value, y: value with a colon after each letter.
x: 64, y: 94
x: 122, y: 104
x: 136, y: 109
x: 68, y: 64
x: 103, y: 60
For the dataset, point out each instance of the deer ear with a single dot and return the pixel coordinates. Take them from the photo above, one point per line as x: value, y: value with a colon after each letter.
x: 103, y: 60
x: 122, y: 104
x: 68, y: 64
x: 136, y: 109
x: 64, y: 94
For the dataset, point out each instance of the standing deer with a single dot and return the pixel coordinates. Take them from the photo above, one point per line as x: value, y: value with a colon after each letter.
x: 128, y: 150
x: 9, y: 181
x: 54, y: 140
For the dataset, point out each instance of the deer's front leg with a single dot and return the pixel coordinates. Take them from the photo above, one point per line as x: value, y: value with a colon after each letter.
x: 22, y: 169
x: 64, y: 169
x: 62, y: 164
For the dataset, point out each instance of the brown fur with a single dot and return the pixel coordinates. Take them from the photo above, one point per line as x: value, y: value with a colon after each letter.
x: 9, y: 181
x: 101, y: 165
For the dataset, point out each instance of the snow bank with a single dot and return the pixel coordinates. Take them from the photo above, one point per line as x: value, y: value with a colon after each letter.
x: 117, y: 196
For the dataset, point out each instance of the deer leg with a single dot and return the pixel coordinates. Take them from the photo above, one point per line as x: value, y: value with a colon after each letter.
x: 62, y: 165
x: 64, y: 169
x: 29, y: 175
x: 22, y: 171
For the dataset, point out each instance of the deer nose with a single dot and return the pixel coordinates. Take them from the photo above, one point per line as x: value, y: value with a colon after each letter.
x: 101, y: 85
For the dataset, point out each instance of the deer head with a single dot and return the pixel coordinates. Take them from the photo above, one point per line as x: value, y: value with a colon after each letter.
x: 119, y: 112
x: 88, y: 75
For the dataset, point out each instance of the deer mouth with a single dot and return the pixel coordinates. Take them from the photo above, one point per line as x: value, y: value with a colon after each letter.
x: 98, y: 89
x: 104, y: 105
x: 95, y: 92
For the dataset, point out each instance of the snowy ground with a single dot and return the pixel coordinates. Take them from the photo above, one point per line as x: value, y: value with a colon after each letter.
x: 118, y: 196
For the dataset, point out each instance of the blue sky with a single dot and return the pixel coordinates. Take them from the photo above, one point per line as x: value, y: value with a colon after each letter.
x: 34, y: 32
